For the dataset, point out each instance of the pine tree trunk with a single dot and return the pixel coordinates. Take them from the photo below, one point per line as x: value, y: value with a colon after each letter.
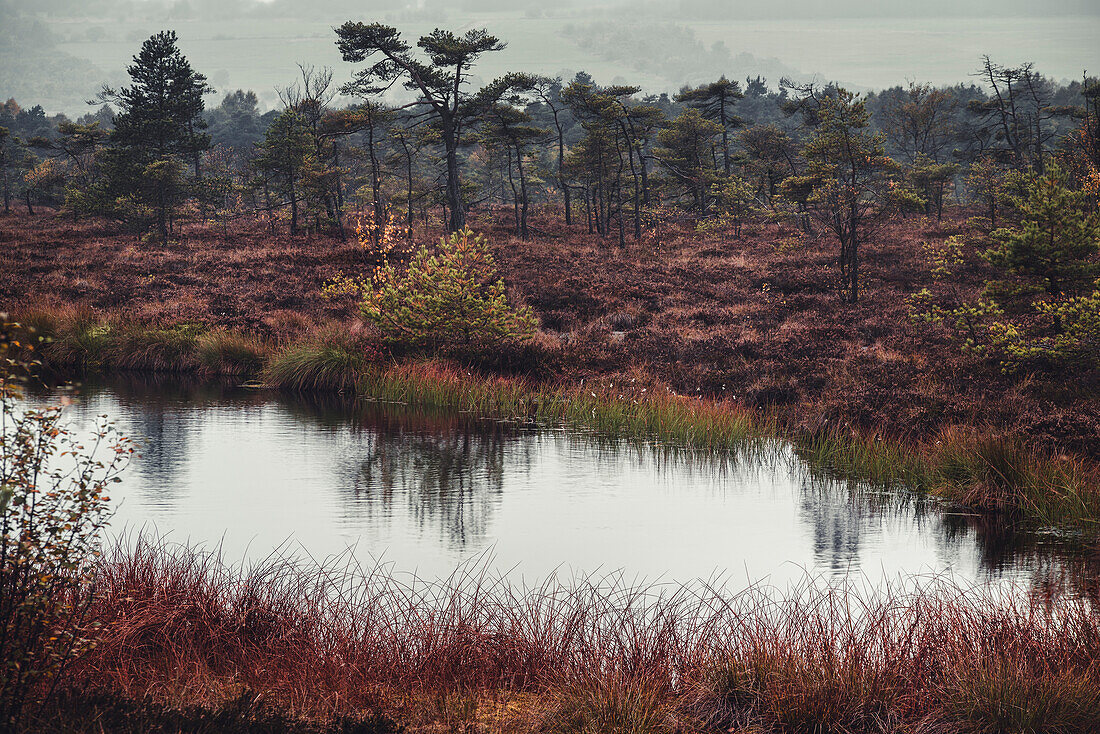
x: 515, y: 193
x: 409, y: 192
x: 162, y: 217
x: 339, y: 191
x: 588, y: 207
x: 561, y: 178
x: 293, y: 208
x: 522, y: 194
x: 454, y: 187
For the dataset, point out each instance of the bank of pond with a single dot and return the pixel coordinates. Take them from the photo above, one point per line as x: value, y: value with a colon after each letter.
x: 316, y: 562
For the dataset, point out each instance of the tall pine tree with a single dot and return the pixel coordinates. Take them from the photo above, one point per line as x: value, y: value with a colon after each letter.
x: 440, y: 83
x: 716, y: 101
x: 158, y: 132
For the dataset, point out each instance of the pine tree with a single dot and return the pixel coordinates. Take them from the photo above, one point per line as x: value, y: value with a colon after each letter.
x: 449, y: 297
x: 685, y: 153
x: 1056, y: 241
x: 716, y: 101
x: 510, y: 127
x: 932, y: 180
x: 849, y: 183
x: 8, y: 157
x: 548, y: 92
x: 985, y: 181
x: 769, y: 156
x: 284, y: 160
x: 157, y: 131
x: 441, y: 83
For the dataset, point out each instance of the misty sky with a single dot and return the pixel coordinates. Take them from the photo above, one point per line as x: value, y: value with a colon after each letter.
x: 58, y: 52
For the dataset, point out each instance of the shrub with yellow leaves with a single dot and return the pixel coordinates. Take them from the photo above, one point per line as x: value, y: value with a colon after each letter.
x: 450, y: 296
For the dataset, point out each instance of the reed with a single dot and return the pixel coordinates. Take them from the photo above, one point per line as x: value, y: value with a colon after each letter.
x: 980, y: 469
x: 223, y: 352
x: 640, y: 408
x: 153, y: 348
x: 69, y: 336
x: 84, y: 338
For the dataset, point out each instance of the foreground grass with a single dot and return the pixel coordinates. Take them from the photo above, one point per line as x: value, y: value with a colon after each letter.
x: 188, y: 641
x: 972, y: 466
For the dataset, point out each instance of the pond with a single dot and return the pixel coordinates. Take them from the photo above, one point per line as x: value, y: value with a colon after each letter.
x: 255, y: 471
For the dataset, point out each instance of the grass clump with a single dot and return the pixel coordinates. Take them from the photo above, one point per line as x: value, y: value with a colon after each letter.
x: 76, y: 337
x: 171, y: 348
x: 332, y: 361
x: 224, y: 352
x: 1020, y: 697
x: 595, y: 704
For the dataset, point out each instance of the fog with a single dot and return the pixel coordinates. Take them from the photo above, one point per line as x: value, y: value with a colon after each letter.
x: 59, y: 52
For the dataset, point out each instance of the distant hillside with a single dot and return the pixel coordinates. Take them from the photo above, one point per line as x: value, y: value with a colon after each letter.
x: 671, y: 52
x: 34, y: 70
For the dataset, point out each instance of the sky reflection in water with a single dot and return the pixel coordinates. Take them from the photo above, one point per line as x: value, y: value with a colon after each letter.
x: 254, y: 471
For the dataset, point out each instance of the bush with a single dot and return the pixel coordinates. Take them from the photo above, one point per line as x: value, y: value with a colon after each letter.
x: 1043, y: 311
x: 452, y: 297
x: 1055, y: 243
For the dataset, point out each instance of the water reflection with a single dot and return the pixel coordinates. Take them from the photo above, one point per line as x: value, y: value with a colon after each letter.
x: 427, y: 490
x: 837, y: 530
x: 452, y: 481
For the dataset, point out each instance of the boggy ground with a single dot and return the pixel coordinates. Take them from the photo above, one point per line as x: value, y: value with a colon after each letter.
x: 755, y: 318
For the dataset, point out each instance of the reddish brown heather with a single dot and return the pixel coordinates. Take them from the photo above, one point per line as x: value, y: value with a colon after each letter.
x: 756, y: 318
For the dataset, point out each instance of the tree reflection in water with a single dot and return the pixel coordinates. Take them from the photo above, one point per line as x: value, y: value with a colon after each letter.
x: 449, y: 473
x: 452, y: 480
x: 161, y: 411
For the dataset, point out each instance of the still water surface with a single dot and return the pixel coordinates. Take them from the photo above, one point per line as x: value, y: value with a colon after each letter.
x: 254, y: 471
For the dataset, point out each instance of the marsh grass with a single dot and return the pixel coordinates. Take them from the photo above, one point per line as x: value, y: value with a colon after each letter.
x: 330, y: 361
x: 980, y: 469
x: 70, y: 336
x: 595, y: 704
x: 173, y: 348
x: 339, y: 641
x: 83, y: 338
x: 1020, y: 696
x: 223, y: 352
x: 640, y: 409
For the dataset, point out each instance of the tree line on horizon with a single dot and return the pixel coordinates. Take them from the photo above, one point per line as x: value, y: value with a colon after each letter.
x: 608, y: 157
